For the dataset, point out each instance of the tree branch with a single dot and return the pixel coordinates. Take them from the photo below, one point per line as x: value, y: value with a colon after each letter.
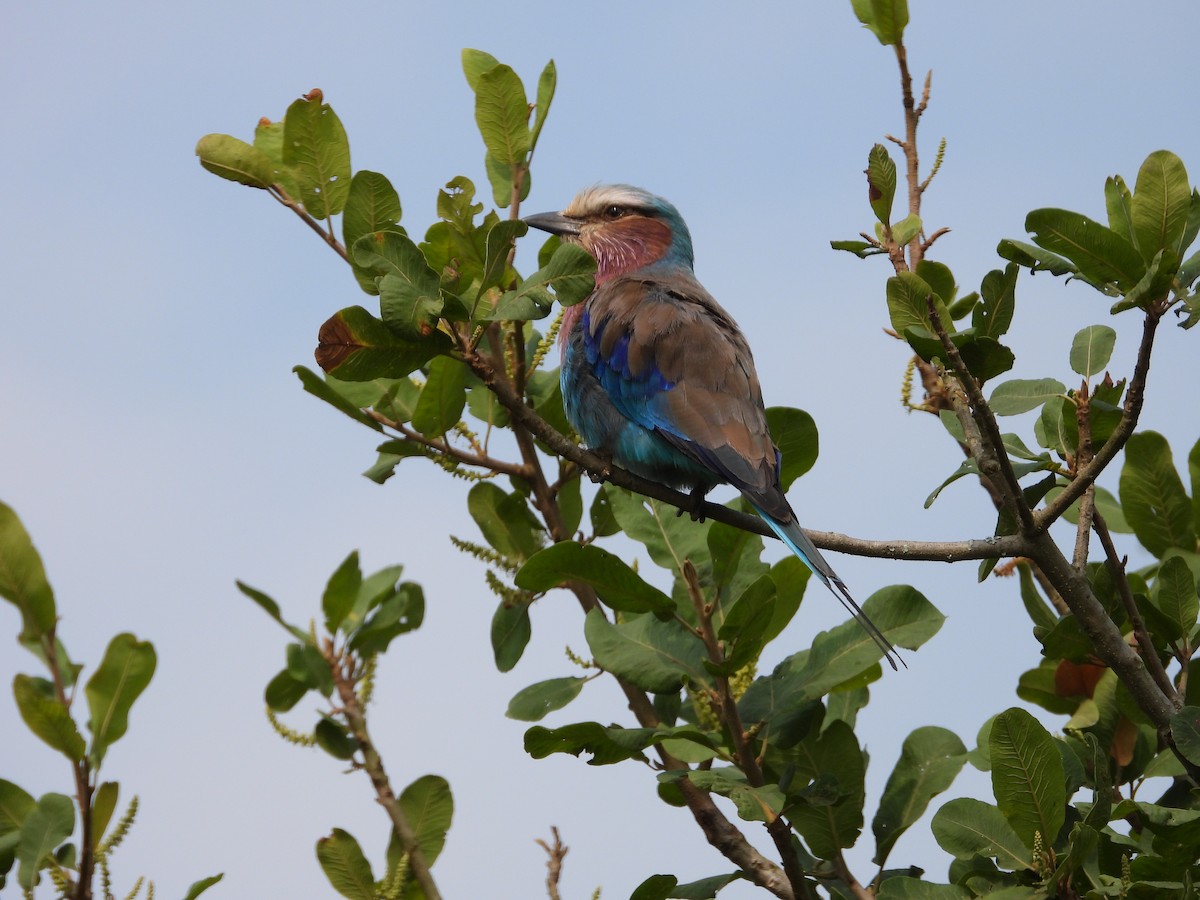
x: 556, y: 853
x: 1106, y: 638
x: 1116, y: 566
x: 281, y: 195
x: 373, y: 764
x: 994, y: 461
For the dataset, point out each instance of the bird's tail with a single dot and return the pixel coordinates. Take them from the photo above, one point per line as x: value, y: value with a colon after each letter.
x: 796, y: 540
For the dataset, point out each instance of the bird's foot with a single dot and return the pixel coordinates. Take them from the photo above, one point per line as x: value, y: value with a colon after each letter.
x: 696, y: 510
x: 601, y: 476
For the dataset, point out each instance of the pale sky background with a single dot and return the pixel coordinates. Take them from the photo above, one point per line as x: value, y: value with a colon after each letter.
x: 157, y: 445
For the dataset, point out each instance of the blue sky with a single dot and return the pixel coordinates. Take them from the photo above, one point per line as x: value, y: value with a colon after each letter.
x: 157, y: 445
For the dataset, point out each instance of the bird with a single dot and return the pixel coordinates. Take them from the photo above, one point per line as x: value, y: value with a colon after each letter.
x: 657, y: 375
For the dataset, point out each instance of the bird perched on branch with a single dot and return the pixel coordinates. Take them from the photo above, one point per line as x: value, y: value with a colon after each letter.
x: 658, y: 375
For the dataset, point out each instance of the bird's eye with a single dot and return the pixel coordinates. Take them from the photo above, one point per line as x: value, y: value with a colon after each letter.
x: 613, y: 212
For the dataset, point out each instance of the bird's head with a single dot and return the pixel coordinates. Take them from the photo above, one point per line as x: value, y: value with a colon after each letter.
x: 624, y: 228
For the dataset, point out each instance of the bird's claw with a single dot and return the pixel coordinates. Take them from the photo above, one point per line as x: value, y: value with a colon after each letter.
x: 695, y: 508
x: 601, y: 476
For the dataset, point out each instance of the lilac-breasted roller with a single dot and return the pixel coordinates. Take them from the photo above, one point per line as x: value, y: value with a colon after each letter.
x: 658, y: 375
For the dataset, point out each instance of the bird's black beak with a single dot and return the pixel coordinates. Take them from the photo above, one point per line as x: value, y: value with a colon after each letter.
x: 554, y: 222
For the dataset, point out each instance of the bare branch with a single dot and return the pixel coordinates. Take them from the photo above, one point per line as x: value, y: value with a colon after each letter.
x: 556, y: 853
x: 328, y: 237
x: 601, y: 469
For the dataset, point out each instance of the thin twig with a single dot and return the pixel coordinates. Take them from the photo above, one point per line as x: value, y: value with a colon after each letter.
x: 282, y: 196
x: 1134, y: 398
x: 779, y: 830
x: 81, y: 771
x: 995, y: 460
x: 1083, y: 455
x: 445, y: 448
x: 1116, y: 566
x: 373, y: 764
x: 556, y: 853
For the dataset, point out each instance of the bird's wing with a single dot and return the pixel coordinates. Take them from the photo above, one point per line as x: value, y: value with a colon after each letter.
x: 672, y: 360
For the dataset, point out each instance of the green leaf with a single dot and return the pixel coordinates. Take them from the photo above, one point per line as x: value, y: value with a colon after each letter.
x: 908, y: 304
x: 498, y: 243
x: 881, y: 183
x: 235, y: 160
x: 334, y: 738
x: 656, y: 887
x: 442, y: 399
x: 502, y: 114
x: 834, y: 755
x: 907, y: 229
x: 861, y: 249
x: 547, y: 82
x: 271, y: 608
x: 199, y: 887
x: 306, y: 664
x: 668, y: 538
x: 511, y: 630
x: 1175, y: 597
x: 967, y: 827
x: 47, y: 718
x: 1119, y: 202
x: 342, y: 860
x: 659, y: 657
x: 317, y: 152
x: 900, y: 612
x: 371, y: 205
x: 795, y: 434
x: 1056, y: 428
x: 1101, y: 255
x: 354, y: 346
x: 905, y: 887
x: 1039, y: 611
x: 618, y: 586
x: 410, y: 297
x: 15, y: 805
x: 505, y: 520
x: 1027, y: 776
x: 1154, y: 286
x: 1194, y: 478
x: 429, y: 807
x: 1091, y: 349
x: 125, y: 671
x: 402, y: 610
x: 930, y: 760
x: 104, y: 801
x: 318, y: 387
x: 1159, y: 210
x: 746, y: 625
x: 533, y: 703
x: 1185, y: 729
x: 607, y: 745
x: 1152, y: 495
x: 23, y: 579
x: 1035, y: 258
x: 284, y: 691
x: 341, y: 592
x: 885, y: 18
x: 45, y: 827
x: 475, y: 63
x: 268, y: 137
x: 1020, y: 395
x: 570, y: 274
x: 994, y: 314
